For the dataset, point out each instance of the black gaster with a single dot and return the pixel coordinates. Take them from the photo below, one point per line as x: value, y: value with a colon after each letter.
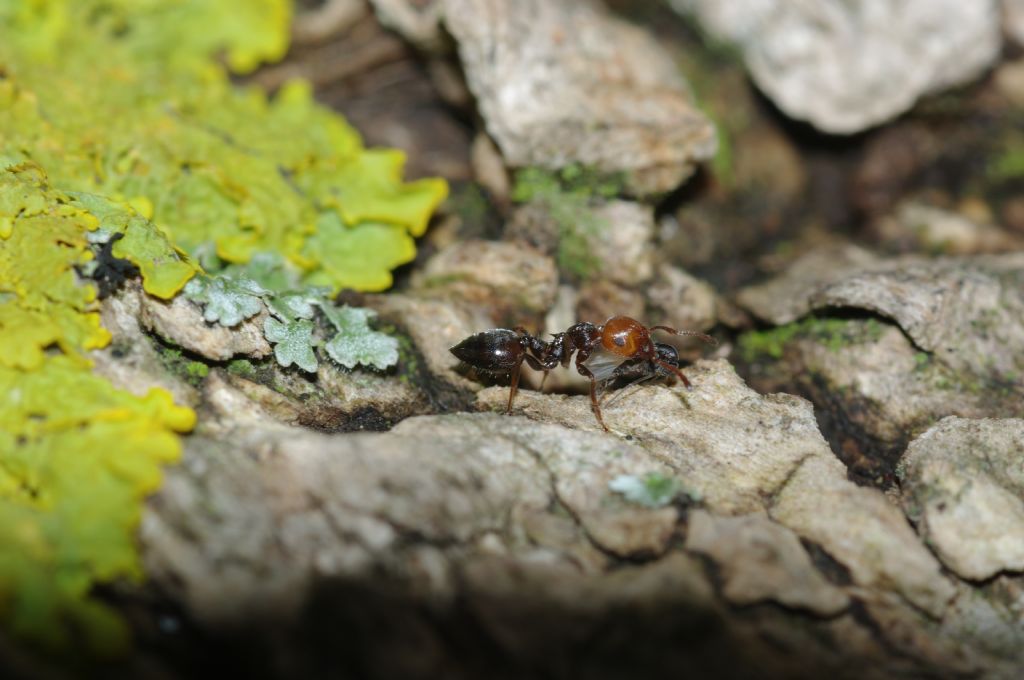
x: 496, y: 351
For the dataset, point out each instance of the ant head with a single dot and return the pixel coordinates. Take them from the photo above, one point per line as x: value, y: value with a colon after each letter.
x: 625, y: 337
x: 667, y: 353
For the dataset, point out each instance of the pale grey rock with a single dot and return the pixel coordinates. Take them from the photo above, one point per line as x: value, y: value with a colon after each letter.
x: 741, y: 452
x: 732, y: 445
x: 267, y: 509
x: 951, y: 342
x: 869, y: 376
x: 435, y: 325
x: 130, y: 361
x: 964, y: 487
x: 625, y: 247
x: 870, y: 536
x: 490, y: 274
x: 847, y: 66
x: 931, y: 229
x: 512, y: 520
x: 968, y: 312
x: 181, y: 322
x: 988, y: 622
x: 760, y: 560
x: 559, y: 82
x: 601, y: 299
x: 489, y: 169
x: 1013, y: 20
x: 682, y: 300
x: 921, y: 635
x: 418, y: 21
x: 1009, y: 82
x: 786, y: 297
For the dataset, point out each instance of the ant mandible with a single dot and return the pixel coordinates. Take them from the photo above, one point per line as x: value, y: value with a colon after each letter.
x: 620, y: 348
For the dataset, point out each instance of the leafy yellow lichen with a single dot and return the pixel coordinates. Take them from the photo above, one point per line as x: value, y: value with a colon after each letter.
x: 76, y: 458
x: 76, y: 455
x: 121, y: 100
x: 119, y: 117
x: 41, y: 303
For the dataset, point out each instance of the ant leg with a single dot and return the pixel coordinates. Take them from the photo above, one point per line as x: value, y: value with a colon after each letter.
x: 515, y: 386
x: 679, y: 373
x: 534, y: 364
x: 594, y: 406
x: 706, y: 338
x: 537, y: 365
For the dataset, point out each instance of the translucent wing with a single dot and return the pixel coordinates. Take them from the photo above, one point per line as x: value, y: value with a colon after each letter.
x: 603, y: 364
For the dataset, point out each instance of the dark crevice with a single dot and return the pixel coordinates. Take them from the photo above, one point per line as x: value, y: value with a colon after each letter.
x: 834, y: 571
x: 870, y: 460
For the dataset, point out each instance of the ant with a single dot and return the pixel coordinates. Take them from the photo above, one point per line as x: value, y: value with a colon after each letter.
x: 620, y: 348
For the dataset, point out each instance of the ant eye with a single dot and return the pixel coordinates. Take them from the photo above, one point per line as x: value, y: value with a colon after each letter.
x: 619, y: 340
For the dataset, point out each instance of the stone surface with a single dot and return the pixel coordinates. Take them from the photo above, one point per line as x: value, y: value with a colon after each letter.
x: 968, y: 312
x: 601, y: 299
x: 559, y: 82
x: 434, y: 326
x: 511, y: 523
x: 306, y: 505
x: 681, y: 300
x: 417, y: 21
x: 741, y: 452
x: 625, y: 248
x: 761, y: 560
x: 949, y: 342
x: 489, y: 169
x: 844, y: 66
x: 870, y: 536
x: 131, y: 361
x: 963, y: 485
x: 1013, y: 20
x: 1009, y: 78
x: 786, y: 297
x: 181, y: 323
x: 916, y: 227
x: 491, y: 274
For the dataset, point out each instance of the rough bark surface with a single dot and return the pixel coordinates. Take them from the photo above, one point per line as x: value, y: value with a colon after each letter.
x: 949, y: 342
x: 561, y: 82
x: 845, y: 67
x: 485, y: 532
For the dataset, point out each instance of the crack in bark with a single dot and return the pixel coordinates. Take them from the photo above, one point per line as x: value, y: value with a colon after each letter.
x: 538, y: 458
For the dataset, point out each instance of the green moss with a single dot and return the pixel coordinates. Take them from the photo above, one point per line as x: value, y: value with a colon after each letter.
x: 1009, y: 163
x: 242, y: 368
x: 772, y: 342
x: 833, y: 333
x: 922, y: 360
x: 470, y: 203
x: 197, y: 370
x: 193, y: 372
x: 570, y: 196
